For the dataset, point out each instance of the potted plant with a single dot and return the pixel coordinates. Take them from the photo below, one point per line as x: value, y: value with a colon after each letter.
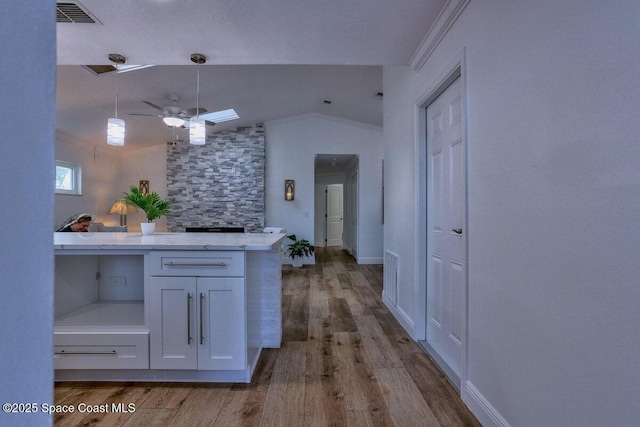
x: 298, y: 249
x: 151, y: 204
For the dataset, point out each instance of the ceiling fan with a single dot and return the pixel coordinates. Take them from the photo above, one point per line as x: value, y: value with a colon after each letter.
x: 174, y: 116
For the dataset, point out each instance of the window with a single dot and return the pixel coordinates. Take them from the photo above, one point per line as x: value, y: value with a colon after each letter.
x: 68, y: 178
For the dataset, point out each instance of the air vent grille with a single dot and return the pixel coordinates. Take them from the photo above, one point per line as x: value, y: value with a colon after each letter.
x: 390, y: 271
x: 73, y: 13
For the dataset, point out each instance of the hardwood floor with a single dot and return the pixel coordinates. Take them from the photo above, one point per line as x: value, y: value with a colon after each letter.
x: 344, y: 361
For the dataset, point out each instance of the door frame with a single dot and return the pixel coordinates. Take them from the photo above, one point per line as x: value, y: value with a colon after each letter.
x: 354, y: 205
x: 319, y: 203
x: 455, y: 69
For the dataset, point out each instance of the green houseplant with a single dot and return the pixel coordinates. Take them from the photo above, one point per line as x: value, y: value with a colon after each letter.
x: 298, y: 249
x: 151, y: 203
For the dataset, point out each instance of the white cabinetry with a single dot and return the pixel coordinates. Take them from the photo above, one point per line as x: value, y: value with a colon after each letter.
x: 189, y: 307
x: 197, y: 310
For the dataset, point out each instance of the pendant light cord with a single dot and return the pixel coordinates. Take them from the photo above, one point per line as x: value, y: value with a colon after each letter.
x: 116, y: 90
x: 198, y: 91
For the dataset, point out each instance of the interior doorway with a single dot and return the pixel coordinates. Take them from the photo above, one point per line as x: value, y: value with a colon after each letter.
x: 335, y: 216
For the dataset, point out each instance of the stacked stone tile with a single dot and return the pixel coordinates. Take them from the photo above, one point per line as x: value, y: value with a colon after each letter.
x: 219, y: 184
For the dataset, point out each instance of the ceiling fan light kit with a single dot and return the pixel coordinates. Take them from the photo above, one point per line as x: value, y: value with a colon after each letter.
x: 173, y: 121
x: 115, y: 126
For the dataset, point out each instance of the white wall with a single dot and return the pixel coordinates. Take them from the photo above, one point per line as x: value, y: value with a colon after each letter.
x: 291, y: 146
x: 27, y: 117
x: 148, y: 164
x: 107, y: 172
x: 553, y: 203
x: 101, y: 169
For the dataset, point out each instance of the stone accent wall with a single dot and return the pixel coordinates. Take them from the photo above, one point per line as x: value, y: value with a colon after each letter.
x: 219, y: 184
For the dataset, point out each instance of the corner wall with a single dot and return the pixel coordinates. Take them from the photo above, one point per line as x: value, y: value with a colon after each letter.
x: 101, y: 169
x: 553, y: 202
x: 26, y: 253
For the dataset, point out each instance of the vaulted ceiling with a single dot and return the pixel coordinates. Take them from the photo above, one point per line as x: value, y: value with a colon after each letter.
x: 266, y: 59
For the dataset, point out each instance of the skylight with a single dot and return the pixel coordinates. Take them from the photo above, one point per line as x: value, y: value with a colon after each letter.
x: 102, y: 69
x: 220, y: 116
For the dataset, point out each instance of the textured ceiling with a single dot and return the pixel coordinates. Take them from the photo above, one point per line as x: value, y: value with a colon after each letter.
x: 267, y: 59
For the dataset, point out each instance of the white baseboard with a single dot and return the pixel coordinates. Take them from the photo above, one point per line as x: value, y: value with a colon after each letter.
x: 400, y: 316
x: 370, y: 260
x: 481, y: 408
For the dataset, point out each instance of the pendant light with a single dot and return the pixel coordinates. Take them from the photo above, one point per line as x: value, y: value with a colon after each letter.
x: 197, y: 129
x: 115, y: 126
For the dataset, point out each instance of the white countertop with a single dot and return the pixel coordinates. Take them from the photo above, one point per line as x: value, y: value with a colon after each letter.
x: 168, y: 241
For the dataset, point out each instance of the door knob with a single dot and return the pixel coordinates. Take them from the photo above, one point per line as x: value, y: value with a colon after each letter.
x: 457, y: 230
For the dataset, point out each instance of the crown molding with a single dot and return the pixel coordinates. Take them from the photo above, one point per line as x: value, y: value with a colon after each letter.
x: 441, y: 26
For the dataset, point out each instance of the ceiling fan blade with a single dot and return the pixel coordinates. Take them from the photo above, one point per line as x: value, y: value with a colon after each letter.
x: 149, y: 115
x: 152, y: 105
x: 206, y: 122
x: 191, y: 112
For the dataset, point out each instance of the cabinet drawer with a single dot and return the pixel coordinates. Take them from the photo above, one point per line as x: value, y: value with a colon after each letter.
x: 197, y: 263
x: 101, y: 351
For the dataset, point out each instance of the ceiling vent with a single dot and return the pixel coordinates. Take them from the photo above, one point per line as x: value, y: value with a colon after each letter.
x: 74, y: 13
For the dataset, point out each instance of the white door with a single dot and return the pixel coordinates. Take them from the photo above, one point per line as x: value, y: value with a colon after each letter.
x: 446, y: 219
x: 334, y: 215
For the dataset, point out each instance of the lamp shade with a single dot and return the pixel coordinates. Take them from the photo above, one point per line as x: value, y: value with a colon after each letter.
x: 197, y: 131
x: 115, y: 132
x: 122, y: 207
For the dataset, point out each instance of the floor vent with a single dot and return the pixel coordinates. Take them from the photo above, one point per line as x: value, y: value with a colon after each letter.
x: 73, y: 13
x: 390, y: 268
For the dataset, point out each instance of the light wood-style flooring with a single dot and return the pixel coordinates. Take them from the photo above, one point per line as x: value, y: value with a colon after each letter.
x: 344, y: 361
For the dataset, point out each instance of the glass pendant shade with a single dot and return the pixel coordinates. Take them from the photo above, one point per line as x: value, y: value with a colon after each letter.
x: 173, y: 121
x: 115, y: 132
x: 197, y: 131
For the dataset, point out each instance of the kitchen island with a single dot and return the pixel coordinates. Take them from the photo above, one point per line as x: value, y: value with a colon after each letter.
x: 165, y: 307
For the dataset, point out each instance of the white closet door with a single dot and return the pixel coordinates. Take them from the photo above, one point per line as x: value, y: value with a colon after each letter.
x: 446, y: 214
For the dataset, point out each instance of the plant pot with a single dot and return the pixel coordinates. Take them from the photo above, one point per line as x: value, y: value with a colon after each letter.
x: 148, y: 227
x: 296, y: 261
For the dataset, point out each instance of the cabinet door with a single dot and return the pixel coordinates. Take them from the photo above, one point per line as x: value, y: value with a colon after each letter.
x: 222, y: 324
x: 173, y: 342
